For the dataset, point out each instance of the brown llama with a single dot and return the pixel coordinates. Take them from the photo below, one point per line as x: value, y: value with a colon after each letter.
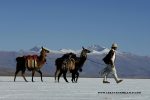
x: 33, y: 63
x: 79, y: 61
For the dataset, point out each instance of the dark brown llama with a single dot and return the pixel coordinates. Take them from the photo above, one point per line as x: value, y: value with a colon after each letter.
x: 32, y: 63
x: 79, y: 61
x: 63, y: 64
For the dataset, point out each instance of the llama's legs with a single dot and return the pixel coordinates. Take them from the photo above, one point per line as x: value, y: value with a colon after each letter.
x: 60, y: 73
x: 56, y: 74
x: 33, y: 72
x: 23, y: 75
x: 16, y: 74
x: 73, y: 77
x: 77, y: 75
x: 39, y: 71
x: 64, y: 75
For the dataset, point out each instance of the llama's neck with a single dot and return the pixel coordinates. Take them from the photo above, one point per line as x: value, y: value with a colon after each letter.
x: 42, y: 60
x: 82, y: 60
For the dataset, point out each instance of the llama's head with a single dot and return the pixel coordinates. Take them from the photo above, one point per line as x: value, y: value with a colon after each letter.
x: 84, y: 52
x: 44, y: 51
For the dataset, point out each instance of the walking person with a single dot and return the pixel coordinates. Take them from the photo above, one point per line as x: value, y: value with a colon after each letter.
x: 109, y: 60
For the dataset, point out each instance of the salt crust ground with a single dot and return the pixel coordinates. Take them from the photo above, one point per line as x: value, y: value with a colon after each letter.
x: 85, y: 89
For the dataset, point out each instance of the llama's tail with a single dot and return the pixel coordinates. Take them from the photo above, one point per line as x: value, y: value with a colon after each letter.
x: 20, y: 60
x: 17, y: 59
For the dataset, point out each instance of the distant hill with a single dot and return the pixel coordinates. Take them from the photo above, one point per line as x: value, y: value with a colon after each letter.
x: 128, y: 65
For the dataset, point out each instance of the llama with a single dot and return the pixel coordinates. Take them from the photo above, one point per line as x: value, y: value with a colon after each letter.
x: 79, y: 62
x: 33, y: 63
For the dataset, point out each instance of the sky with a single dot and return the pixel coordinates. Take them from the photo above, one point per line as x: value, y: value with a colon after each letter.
x: 57, y: 24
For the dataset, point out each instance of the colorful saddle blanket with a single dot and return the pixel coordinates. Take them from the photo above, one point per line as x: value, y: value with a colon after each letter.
x: 31, y: 61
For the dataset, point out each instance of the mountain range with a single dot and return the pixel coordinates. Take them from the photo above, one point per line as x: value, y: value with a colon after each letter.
x: 128, y: 65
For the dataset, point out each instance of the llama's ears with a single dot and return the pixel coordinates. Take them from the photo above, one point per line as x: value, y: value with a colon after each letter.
x: 42, y: 47
x: 83, y: 47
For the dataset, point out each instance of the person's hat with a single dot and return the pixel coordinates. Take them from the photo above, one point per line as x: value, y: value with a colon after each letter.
x: 114, y: 45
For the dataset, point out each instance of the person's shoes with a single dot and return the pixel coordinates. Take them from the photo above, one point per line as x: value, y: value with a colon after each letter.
x: 119, y: 81
x: 106, y: 82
